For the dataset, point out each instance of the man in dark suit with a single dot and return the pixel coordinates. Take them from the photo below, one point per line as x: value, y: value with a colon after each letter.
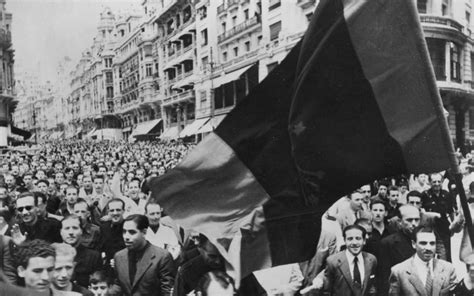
x: 423, y: 274
x: 350, y: 272
x: 143, y: 269
x: 397, y: 247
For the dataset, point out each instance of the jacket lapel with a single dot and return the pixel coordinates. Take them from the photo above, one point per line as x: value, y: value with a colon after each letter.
x: 123, y: 262
x: 368, y: 263
x: 415, y: 280
x: 143, y: 265
x: 438, y: 277
x: 344, y: 268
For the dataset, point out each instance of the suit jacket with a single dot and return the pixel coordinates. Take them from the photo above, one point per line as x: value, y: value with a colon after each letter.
x: 337, y: 277
x: 393, y: 249
x: 404, y: 279
x: 154, y: 276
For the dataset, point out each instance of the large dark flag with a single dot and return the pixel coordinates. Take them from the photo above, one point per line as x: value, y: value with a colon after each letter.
x: 354, y: 100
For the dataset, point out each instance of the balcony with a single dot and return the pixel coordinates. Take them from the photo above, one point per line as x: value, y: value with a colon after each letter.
x: 178, y: 98
x: 231, y: 3
x: 220, y: 9
x: 305, y: 3
x: 5, y: 38
x: 440, y: 25
x: 252, y: 22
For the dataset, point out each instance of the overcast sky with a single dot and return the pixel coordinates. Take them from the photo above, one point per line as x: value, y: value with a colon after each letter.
x: 44, y: 31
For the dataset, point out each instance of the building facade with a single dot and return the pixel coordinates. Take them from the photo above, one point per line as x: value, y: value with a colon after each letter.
x: 176, y: 68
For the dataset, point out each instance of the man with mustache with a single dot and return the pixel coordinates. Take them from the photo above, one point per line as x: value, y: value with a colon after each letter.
x: 423, y: 274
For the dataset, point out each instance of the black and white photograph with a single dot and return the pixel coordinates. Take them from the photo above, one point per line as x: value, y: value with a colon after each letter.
x: 236, y: 148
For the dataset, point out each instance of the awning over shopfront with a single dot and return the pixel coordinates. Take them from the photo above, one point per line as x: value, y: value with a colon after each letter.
x: 228, y: 77
x: 20, y: 132
x: 170, y: 134
x: 56, y: 135
x: 211, y: 124
x: 90, y: 134
x: 144, y: 128
x: 193, y: 128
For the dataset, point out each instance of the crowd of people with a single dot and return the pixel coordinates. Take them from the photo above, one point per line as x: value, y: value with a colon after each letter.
x: 76, y: 218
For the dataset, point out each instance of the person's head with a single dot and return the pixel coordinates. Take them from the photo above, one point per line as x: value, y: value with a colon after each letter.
x: 28, y: 179
x: 356, y: 201
x: 71, y: 230
x: 134, y: 188
x: 130, y: 176
x: 153, y: 212
x: 81, y: 209
x: 40, y: 175
x: 393, y: 194
x: 140, y: 174
x: 134, y: 231
x: 102, y: 171
x: 15, y: 170
x: 366, y: 224
x: 209, y: 252
x: 116, y: 208
x: 382, y: 190
x: 9, y: 181
x: 59, y: 178
x: 403, y: 187
x: 379, y: 211
x: 69, y: 174
x: 410, y: 218
x: 215, y: 283
x: 64, y: 265
x: 436, y: 180
x: 422, y: 179
x: 414, y: 198
x: 424, y: 243
x: 99, y: 184
x: 41, y: 201
x: 36, y: 264
x: 43, y: 185
x: 354, y: 238
x: 26, y: 206
x: 71, y: 195
x: 365, y: 191
x: 99, y: 283
x: 87, y: 182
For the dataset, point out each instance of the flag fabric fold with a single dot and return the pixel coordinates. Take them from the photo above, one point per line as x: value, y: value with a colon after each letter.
x: 353, y: 101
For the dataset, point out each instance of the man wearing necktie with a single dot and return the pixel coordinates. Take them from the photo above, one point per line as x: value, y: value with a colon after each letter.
x: 350, y: 272
x: 423, y: 274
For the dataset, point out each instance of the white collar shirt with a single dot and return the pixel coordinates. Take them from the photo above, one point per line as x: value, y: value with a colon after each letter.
x: 360, y: 265
x: 422, y: 268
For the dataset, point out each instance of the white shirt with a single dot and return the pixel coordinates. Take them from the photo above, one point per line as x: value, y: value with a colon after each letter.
x: 164, y: 235
x: 360, y: 265
x: 422, y: 268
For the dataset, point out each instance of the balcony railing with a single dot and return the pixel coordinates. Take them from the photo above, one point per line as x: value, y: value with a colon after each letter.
x: 179, y: 97
x: 230, y: 3
x: 220, y: 8
x: 440, y: 20
x: 238, y: 29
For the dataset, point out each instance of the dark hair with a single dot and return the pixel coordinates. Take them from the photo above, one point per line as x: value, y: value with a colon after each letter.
x: 421, y: 228
x: 116, y: 200
x: 73, y: 217
x: 378, y: 201
x: 354, y: 226
x: 220, y: 277
x: 39, y: 195
x: 99, y: 276
x: 414, y: 193
x: 43, y: 181
x: 392, y: 188
x: 384, y: 183
x: 31, y: 249
x: 140, y: 220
